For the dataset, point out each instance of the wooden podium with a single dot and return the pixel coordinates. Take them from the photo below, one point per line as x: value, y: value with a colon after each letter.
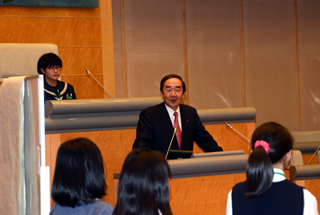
x: 114, y: 133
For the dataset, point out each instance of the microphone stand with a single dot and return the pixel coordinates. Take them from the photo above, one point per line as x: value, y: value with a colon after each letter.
x: 238, y: 132
x: 108, y: 93
x: 175, y: 130
x: 314, y: 154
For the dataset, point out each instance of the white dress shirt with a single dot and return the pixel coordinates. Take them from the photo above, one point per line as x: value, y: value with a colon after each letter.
x: 170, y: 112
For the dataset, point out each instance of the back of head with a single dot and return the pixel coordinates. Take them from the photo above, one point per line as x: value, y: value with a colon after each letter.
x: 48, y: 60
x: 143, y: 186
x: 276, y: 142
x: 79, y: 173
x: 278, y: 138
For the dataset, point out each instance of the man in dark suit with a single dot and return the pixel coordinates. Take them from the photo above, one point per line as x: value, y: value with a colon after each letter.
x: 157, y: 123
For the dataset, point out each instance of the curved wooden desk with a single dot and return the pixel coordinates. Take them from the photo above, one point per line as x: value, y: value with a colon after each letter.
x: 198, y: 195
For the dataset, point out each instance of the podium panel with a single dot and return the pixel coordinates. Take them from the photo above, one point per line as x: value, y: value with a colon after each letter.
x: 111, y: 124
x: 202, y: 195
x: 116, y: 144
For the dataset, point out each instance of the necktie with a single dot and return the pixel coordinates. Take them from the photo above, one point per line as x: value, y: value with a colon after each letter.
x: 178, y: 132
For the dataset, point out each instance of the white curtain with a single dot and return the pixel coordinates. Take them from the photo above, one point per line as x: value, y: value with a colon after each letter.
x: 19, y: 178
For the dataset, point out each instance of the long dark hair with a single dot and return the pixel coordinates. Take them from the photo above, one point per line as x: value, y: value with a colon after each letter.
x: 79, y: 174
x: 143, y: 186
x: 259, y: 167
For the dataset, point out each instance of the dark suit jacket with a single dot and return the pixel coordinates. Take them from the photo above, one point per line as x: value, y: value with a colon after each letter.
x: 155, y: 130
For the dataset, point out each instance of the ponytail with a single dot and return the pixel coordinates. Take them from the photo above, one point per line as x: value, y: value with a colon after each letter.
x: 259, y: 172
x: 270, y: 142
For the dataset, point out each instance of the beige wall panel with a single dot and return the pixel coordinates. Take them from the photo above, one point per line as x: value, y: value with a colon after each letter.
x: 309, y: 66
x: 49, y: 11
x: 214, y: 53
x: 154, y: 44
x: 270, y: 61
x: 85, y: 86
x: 120, y: 75
x: 60, y: 31
x: 77, y: 59
x: 277, y: 42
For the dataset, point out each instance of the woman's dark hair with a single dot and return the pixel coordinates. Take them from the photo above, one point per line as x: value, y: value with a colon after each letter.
x: 165, y: 78
x: 259, y: 167
x: 143, y: 186
x: 79, y: 174
x: 48, y: 60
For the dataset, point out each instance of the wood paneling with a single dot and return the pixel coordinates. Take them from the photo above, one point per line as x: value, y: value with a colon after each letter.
x: 306, y: 159
x: 49, y: 11
x: 77, y: 59
x: 229, y: 138
x: 57, y: 30
x: 83, y: 35
x: 202, y: 195
x: 53, y: 142
x: 85, y: 86
x: 107, y: 46
x: 313, y: 186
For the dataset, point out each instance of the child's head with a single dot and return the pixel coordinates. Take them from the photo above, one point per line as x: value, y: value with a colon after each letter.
x: 79, y: 173
x: 271, y: 147
x: 143, y: 186
x: 50, y: 66
x: 278, y: 138
x: 48, y: 60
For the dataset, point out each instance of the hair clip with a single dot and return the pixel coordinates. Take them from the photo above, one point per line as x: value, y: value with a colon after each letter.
x: 264, y: 144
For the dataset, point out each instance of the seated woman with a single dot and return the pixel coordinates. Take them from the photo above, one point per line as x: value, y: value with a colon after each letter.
x: 50, y: 66
x: 79, y: 180
x: 143, y: 187
x: 267, y: 191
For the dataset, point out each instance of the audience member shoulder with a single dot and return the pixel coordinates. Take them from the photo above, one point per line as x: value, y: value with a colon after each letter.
x: 102, y: 208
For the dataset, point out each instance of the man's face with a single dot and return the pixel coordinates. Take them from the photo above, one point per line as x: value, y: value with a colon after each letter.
x: 172, y: 93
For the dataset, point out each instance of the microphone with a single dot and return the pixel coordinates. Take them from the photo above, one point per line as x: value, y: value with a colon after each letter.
x: 108, y: 93
x: 238, y: 132
x: 314, y: 154
x: 174, y: 133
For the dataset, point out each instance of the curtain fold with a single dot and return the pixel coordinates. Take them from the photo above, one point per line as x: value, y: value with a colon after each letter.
x: 18, y: 153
